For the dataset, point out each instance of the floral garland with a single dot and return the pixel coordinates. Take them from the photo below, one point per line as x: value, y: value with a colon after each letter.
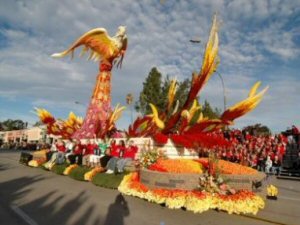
x: 88, y: 176
x: 36, y: 162
x: 68, y: 170
x: 195, y: 201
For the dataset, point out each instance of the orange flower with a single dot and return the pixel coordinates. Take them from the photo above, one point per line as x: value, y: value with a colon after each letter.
x: 226, y: 167
x: 242, y: 202
x: 178, y: 166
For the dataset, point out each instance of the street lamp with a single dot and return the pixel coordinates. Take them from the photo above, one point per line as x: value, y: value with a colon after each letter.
x: 129, y: 100
x: 223, y: 85
x: 78, y: 103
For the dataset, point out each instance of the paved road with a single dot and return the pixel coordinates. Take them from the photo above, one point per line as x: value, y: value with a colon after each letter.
x: 34, y: 196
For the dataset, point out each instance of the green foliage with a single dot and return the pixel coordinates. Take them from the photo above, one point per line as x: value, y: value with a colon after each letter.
x: 257, y: 129
x: 78, y: 173
x: 209, y: 112
x: 151, y: 92
x: 147, y: 158
x: 37, y: 124
x: 10, y: 124
x: 108, y: 180
x: 59, y: 169
x: 43, y: 167
x: 155, y: 90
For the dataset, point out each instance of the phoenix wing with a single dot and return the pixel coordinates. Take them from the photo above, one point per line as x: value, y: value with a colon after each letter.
x: 244, y: 106
x: 101, y: 44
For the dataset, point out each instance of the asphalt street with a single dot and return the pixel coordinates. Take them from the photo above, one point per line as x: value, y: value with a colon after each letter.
x: 34, y: 196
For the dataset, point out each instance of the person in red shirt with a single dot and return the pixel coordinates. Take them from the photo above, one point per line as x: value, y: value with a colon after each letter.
x: 117, y: 161
x: 114, y: 148
x: 130, y: 151
x: 128, y: 156
x: 91, y: 147
x: 60, y: 146
x: 115, y: 153
x: 280, y: 151
x: 253, y: 161
x: 121, y: 148
x: 57, y: 157
x: 77, y: 153
x: 89, y: 150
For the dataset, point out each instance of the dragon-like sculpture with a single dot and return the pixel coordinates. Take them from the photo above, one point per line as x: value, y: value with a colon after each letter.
x: 109, y: 51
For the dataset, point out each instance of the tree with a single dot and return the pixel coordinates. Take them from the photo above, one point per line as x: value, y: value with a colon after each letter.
x: 151, y: 93
x: 257, y: 129
x: 10, y: 124
x: 155, y: 90
x: 37, y: 124
x: 209, y: 112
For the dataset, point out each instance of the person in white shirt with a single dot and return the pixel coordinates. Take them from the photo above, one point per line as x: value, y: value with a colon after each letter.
x: 69, y: 148
x: 53, y: 146
x: 268, y: 164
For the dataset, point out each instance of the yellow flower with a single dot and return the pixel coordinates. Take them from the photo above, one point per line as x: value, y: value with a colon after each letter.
x: 68, y: 170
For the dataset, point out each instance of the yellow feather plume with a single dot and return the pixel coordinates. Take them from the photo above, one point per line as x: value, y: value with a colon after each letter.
x: 244, y: 106
x: 159, y: 123
x: 116, y: 114
x: 254, y: 89
x: 171, y: 93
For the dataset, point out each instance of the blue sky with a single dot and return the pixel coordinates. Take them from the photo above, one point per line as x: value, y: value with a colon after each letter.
x: 259, y: 40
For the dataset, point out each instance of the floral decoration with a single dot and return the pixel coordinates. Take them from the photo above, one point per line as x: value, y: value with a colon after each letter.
x: 68, y: 170
x: 177, y: 166
x: 148, y: 157
x: 88, y: 176
x: 36, y: 162
x: 196, y: 201
x: 226, y: 167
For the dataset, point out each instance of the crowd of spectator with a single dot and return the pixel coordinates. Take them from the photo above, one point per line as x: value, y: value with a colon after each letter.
x: 262, y: 152
x: 23, y: 145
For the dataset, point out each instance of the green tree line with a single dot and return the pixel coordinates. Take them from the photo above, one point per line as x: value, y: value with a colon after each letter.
x: 155, y: 90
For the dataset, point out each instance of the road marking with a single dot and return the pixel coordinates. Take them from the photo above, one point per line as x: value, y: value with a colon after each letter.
x: 23, y: 215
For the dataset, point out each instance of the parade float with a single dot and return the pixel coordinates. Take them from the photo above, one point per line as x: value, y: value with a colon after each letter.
x: 195, y: 184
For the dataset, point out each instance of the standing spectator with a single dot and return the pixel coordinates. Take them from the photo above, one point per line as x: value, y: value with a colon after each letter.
x: 296, y: 134
x: 276, y: 164
x: 268, y: 165
x: 253, y: 161
x: 297, y: 162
